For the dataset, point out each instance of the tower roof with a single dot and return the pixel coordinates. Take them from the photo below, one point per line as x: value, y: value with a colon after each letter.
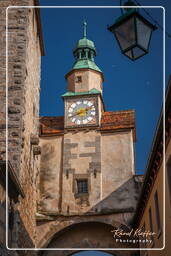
x: 84, y: 53
x: 84, y: 42
x: 85, y: 63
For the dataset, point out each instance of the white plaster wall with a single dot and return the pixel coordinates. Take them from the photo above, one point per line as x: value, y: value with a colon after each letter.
x: 117, y: 160
x: 50, y: 173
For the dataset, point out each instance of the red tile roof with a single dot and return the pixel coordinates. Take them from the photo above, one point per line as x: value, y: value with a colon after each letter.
x: 51, y: 125
x: 116, y: 120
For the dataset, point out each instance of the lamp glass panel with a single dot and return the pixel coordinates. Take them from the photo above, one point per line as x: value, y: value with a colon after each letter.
x: 129, y: 54
x: 125, y: 34
x: 143, y: 34
x: 137, y: 52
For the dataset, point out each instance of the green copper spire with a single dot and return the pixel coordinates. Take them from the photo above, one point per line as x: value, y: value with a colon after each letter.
x: 85, y: 52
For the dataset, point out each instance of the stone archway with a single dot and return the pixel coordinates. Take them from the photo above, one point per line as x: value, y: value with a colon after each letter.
x: 84, y: 235
x: 47, y: 230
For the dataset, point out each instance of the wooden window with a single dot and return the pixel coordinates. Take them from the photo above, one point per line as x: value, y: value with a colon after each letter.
x: 82, y: 186
x: 34, y: 110
x: 151, y: 224
x: 144, y: 245
x: 157, y: 211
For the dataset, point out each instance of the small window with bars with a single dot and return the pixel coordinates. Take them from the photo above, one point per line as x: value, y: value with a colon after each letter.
x: 82, y: 186
x: 78, y: 79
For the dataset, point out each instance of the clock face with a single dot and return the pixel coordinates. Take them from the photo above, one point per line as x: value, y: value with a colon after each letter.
x: 81, y: 112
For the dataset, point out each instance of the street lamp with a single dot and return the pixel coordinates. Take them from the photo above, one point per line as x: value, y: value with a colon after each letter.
x: 133, y: 32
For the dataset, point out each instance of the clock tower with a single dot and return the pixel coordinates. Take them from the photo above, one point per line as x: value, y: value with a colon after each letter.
x: 83, y: 100
x: 87, y: 159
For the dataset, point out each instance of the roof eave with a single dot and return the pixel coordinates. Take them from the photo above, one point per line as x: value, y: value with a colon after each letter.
x: 73, y: 70
x: 39, y: 27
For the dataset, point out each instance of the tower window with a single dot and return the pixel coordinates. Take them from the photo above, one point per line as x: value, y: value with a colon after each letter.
x: 82, y: 186
x: 89, y: 55
x: 78, y: 79
x: 83, y: 54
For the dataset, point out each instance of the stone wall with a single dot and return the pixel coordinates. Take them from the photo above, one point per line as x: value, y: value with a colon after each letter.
x: 2, y: 214
x: 82, y: 160
x: 30, y: 161
x: 23, y: 106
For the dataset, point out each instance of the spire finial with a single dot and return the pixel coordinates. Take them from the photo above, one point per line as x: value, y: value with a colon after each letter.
x: 85, y: 29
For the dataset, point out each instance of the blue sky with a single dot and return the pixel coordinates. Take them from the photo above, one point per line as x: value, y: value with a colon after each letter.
x: 91, y: 253
x: 128, y: 85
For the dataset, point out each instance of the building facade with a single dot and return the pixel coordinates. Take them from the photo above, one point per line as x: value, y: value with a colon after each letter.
x: 153, y: 211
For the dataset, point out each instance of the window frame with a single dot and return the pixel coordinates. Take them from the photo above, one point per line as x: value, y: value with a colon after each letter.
x: 83, y: 186
x: 157, y: 213
x: 79, y: 79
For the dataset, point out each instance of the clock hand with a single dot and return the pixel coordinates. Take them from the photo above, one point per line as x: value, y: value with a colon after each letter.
x: 81, y: 111
x: 86, y: 109
x: 77, y: 113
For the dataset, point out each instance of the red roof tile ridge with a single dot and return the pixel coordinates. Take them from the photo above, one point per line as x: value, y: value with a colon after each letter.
x: 119, y: 111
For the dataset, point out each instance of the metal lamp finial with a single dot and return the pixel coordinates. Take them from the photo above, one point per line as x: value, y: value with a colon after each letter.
x: 85, y: 29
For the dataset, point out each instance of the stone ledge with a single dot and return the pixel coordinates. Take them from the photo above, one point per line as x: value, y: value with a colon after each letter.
x: 44, y: 215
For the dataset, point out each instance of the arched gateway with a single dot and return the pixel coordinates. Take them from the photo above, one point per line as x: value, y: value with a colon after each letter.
x: 88, y: 184
x: 84, y: 235
x: 94, y: 230
x: 81, y: 232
